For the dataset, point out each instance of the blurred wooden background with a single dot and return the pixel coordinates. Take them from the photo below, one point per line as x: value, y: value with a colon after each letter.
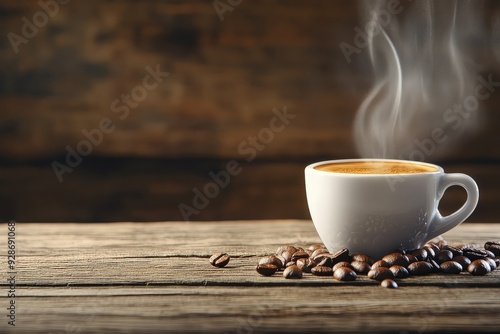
x: 225, y: 78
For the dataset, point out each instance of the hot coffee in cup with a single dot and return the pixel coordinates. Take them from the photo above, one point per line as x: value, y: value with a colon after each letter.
x: 374, y: 206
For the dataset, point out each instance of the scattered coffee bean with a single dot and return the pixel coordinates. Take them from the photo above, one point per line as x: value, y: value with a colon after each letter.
x: 282, y: 260
x: 497, y: 261
x: 492, y: 263
x: 411, y: 258
x: 290, y: 263
x: 288, y: 248
x: 271, y: 259
x: 306, y: 265
x: 287, y: 255
x: 431, y: 253
x: 399, y: 271
x: 292, y: 272
x: 432, y: 245
x: 441, y: 243
x: 455, y: 250
x: 326, y: 261
x: 451, y: 267
x: 362, y: 258
x: 463, y: 260
x: 396, y: 259
x: 380, y: 263
x: 342, y: 264
x: 322, y: 271
x: 360, y: 267
x: 319, y: 251
x: 299, y: 255
x: 475, y: 254
x: 493, y: 246
x: 389, y: 283
x: 219, y: 260
x: 443, y: 255
x: 420, y: 268
x: 435, y: 266
x: 469, y: 247
x: 490, y: 254
x: 320, y: 257
x: 420, y: 254
x: 380, y: 273
x: 266, y: 269
x: 341, y: 255
x: 479, y: 267
x: 344, y: 274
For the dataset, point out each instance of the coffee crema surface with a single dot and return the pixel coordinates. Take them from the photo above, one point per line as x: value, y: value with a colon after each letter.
x: 376, y: 167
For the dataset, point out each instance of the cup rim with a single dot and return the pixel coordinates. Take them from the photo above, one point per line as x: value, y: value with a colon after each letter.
x: 438, y: 170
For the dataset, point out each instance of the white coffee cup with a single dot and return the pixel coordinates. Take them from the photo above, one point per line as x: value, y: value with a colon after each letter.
x: 372, y: 212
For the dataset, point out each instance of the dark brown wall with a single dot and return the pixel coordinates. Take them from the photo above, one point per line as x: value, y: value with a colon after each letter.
x: 225, y: 79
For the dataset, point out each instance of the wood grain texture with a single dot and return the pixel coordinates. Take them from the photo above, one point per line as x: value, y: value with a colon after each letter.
x: 147, y: 277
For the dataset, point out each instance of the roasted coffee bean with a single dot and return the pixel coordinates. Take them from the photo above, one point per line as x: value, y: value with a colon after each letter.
x: 299, y: 255
x: 319, y: 251
x: 282, y: 260
x: 305, y: 264
x: 431, y: 253
x: 292, y: 272
x: 411, y: 258
x: 443, y: 255
x: 396, y: 259
x: 322, y: 271
x: 272, y: 259
x: 290, y: 263
x: 380, y: 263
x: 420, y: 254
x: 362, y: 258
x: 399, y: 271
x: 342, y: 264
x: 497, y: 261
x: 455, y: 250
x: 492, y: 263
x: 316, y: 246
x: 469, y: 247
x: 475, y: 254
x: 479, y: 267
x: 287, y: 255
x: 341, y: 255
x: 291, y: 249
x: 441, y: 243
x: 489, y: 254
x: 463, y: 260
x: 326, y: 261
x: 433, y: 246
x: 344, y: 274
x: 420, y: 268
x: 320, y: 257
x: 266, y: 269
x: 451, y: 267
x: 380, y: 273
x: 219, y: 260
x: 435, y: 266
x: 493, y: 246
x: 389, y: 283
x: 360, y: 267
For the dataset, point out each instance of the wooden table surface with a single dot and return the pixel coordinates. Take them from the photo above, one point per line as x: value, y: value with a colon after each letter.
x: 155, y: 277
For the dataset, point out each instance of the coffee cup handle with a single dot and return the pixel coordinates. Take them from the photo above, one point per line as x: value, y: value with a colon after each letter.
x: 443, y: 224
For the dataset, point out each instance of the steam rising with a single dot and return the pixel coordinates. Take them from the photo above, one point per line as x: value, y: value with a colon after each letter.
x: 423, y: 72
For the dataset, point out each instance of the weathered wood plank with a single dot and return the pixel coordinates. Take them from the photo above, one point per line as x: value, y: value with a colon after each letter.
x: 290, y: 309
x: 150, y: 277
x: 170, y: 253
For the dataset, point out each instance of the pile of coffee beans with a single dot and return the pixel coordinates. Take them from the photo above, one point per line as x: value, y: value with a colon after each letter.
x: 433, y: 257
